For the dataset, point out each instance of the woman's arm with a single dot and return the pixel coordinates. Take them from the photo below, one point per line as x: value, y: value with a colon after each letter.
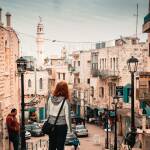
x: 67, y: 116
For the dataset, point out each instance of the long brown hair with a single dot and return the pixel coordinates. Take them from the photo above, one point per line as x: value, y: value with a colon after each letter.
x: 62, y: 90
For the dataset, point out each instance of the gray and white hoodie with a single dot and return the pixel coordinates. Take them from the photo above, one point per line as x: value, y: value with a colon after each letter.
x: 54, y: 104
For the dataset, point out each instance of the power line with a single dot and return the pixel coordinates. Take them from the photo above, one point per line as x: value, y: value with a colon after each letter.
x: 73, y: 42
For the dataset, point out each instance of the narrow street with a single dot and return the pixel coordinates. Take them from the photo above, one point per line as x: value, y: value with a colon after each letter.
x: 95, y: 140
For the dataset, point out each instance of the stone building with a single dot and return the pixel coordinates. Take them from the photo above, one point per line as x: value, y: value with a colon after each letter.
x: 81, y: 64
x: 109, y: 71
x: 36, y: 93
x: 9, y: 85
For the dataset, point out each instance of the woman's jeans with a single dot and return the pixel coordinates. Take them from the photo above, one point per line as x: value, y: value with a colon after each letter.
x: 57, y: 141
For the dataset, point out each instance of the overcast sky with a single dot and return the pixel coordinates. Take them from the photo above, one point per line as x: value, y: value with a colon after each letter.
x: 74, y: 20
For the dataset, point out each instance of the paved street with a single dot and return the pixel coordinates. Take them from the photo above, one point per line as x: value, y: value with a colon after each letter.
x: 95, y: 140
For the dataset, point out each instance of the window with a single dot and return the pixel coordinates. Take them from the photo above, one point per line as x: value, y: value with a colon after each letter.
x: 58, y: 75
x: 63, y: 76
x: 95, y: 61
x: 29, y: 83
x: 114, y: 64
x: 78, y: 63
x: 41, y: 83
x: 74, y: 64
x: 110, y: 63
x: 101, y: 92
x: 105, y: 63
x: 112, y: 89
x: 92, y: 91
x: 78, y: 80
x: 100, y: 64
x: 117, y: 64
x: 88, y: 81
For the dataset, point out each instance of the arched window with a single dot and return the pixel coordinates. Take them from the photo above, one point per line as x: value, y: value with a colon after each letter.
x: 29, y: 83
x: 41, y: 83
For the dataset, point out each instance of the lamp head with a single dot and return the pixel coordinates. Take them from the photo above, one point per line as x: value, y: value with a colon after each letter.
x: 21, y: 64
x: 132, y: 64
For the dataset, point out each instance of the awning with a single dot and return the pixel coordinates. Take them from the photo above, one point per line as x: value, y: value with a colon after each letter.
x: 147, y: 111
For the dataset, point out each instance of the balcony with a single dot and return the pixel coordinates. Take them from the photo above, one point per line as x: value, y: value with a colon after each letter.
x: 104, y: 74
x: 75, y: 70
x: 146, y: 25
x: 95, y: 72
x: 143, y: 94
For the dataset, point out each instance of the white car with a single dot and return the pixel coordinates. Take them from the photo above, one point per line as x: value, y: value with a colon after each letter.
x: 81, y: 130
x: 27, y: 135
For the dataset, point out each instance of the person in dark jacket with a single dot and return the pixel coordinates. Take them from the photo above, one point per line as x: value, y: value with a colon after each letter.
x: 63, y: 124
x: 13, y: 128
x: 76, y: 143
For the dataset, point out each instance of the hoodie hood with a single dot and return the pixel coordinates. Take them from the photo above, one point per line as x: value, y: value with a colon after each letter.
x: 56, y: 100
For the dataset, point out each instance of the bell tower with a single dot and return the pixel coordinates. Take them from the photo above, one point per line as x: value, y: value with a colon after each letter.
x: 40, y: 43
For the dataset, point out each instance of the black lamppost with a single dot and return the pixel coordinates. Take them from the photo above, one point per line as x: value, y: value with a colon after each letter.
x: 107, y: 140
x: 83, y: 100
x: 21, y: 66
x: 115, y: 103
x: 132, y: 66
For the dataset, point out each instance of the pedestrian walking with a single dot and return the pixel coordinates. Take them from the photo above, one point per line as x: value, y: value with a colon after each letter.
x: 76, y: 143
x: 60, y: 98
x: 13, y: 129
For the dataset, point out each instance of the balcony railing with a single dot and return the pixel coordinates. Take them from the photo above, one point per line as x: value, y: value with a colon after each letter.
x: 144, y: 94
x: 108, y: 73
x: 95, y: 72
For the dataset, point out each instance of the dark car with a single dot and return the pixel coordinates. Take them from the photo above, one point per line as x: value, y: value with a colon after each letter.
x: 70, y: 138
x: 34, y: 129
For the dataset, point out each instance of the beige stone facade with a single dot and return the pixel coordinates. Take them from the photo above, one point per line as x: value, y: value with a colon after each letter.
x: 9, y: 85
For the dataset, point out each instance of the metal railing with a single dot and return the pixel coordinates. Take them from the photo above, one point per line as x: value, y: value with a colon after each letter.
x: 38, y: 145
x: 108, y: 73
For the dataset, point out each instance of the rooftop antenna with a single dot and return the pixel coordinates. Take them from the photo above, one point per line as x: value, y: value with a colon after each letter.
x: 40, y: 18
x: 137, y: 15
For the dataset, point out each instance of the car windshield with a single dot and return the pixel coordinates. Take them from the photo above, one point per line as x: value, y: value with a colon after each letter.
x: 71, y: 136
x: 35, y: 127
x: 80, y: 127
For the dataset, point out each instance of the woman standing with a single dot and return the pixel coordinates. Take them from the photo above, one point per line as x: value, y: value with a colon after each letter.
x: 63, y: 123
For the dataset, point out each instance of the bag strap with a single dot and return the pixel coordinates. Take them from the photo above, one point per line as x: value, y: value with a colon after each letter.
x: 59, y: 112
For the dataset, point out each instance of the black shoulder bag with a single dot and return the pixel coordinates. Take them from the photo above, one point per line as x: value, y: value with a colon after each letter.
x: 50, y: 128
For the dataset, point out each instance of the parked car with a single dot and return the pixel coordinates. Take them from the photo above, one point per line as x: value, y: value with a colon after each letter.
x: 70, y: 138
x: 81, y: 130
x: 34, y: 129
x: 72, y: 113
x: 27, y: 135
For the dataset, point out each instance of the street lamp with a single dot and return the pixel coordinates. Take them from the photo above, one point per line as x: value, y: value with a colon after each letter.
x: 115, y: 103
x: 21, y: 66
x: 132, y: 66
